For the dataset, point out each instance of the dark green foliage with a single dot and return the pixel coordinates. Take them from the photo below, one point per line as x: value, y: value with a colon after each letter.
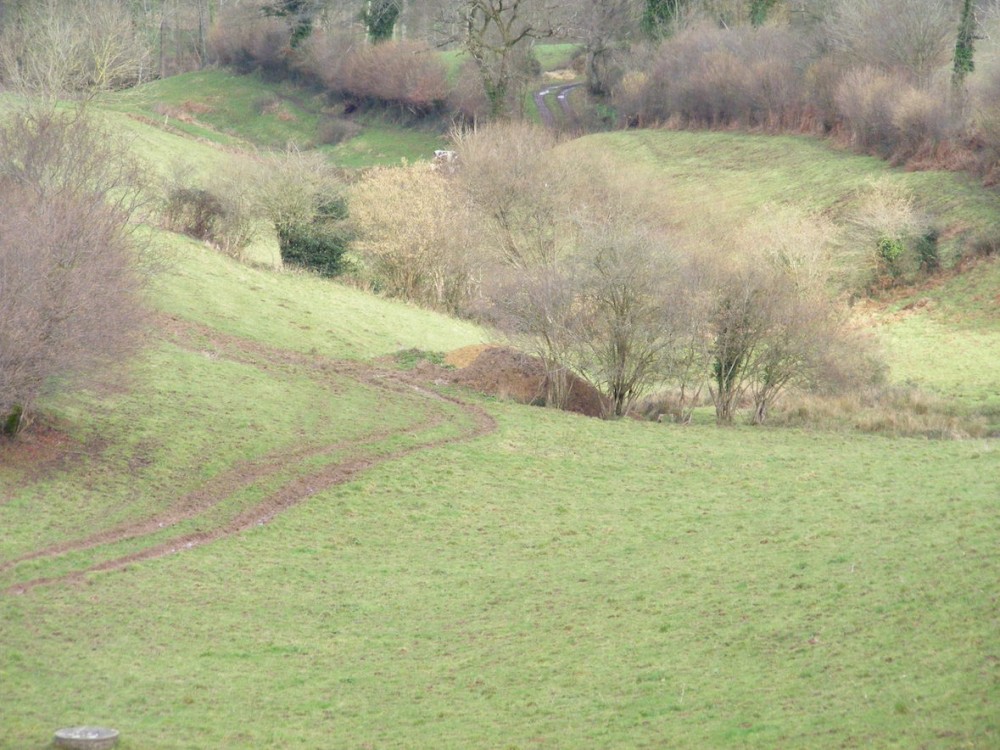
x: 380, y: 19
x: 11, y: 423
x: 759, y: 10
x: 927, y: 251
x: 964, y: 63
x: 319, y: 246
x: 332, y: 209
x: 658, y: 15
x: 890, y: 251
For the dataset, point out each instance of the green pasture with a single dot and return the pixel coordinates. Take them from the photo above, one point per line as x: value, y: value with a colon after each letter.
x: 245, y: 111
x: 413, y: 576
x: 555, y: 56
x: 384, y: 144
x: 565, y: 582
x: 296, y: 311
x: 719, y: 179
x: 219, y: 105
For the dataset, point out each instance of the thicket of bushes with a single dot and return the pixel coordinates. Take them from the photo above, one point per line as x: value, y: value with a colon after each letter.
x: 878, y: 75
x: 564, y: 259
x: 401, y: 74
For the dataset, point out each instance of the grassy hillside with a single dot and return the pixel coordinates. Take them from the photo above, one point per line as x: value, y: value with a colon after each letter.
x: 938, y: 335
x: 257, y: 538
x: 233, y: 110
x: 720, y: 179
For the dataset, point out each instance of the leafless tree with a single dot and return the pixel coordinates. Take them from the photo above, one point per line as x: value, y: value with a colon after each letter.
x: 69, y: 281
x: 417, y: 235
x: 497, y: 34
x: 60, y: 48
x: 773, y: 321
x: 509, y: 175
x: 624, y: 330
x: 603, y: 26
x: 915, y: 37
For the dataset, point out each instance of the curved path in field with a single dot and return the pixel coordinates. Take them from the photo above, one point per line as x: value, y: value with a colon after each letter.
x: 349, y: 459
x: 562, y: 96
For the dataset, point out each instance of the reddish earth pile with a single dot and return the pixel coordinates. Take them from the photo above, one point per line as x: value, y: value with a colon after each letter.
x: 507, y: 373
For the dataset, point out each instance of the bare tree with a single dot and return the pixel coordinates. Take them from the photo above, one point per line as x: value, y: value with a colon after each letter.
x: 624, y: 331
x: 604, y: 26
x: 539, y: 309
x: 292, y: 186
x: 516, y: 191
x: 59, y: 47
x: 69, y: 283
x: 773, y: 321
x: 509, y: 175
x: 915, y: 37
x: 496, y: 34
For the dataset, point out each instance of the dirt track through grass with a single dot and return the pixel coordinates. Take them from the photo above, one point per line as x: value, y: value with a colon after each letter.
x: 355, y: 457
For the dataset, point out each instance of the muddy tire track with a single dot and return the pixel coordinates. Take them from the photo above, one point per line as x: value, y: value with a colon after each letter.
x: 248, y: 473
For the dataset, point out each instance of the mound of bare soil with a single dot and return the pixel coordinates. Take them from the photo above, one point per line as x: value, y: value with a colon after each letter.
x: 507, y: 373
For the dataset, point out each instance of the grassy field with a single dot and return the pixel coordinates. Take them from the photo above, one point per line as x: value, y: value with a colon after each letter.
x: 248, y: 112
x: 256, y: 537
x: 720, y: 179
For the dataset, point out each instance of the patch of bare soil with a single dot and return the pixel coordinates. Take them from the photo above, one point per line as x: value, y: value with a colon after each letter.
x: 36, y: 452
x: 358, y: 456
x: 465, y: 356
x: 509, y: 374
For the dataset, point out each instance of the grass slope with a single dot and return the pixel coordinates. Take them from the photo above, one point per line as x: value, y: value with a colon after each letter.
x: 725, y: 177
x: 941, y: 337
x: 253, y: 539
x: 241, y: 111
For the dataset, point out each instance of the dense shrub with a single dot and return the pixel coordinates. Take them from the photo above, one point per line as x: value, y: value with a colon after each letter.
x: 416, y: 237
x: 467, y: 97
x: 864, y: 100
x: 708, y: 76
x: 194, y: 212
x: 334, y: 130
x: 319, y: 247
x: 246, y: 40
x: 986, y: 119
x: 924, y: 118
x: 888, y: 115
x: 404, y: 74
x: 321, y: 57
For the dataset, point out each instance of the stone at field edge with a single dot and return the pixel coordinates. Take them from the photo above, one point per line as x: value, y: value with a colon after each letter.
x: 86, y: 738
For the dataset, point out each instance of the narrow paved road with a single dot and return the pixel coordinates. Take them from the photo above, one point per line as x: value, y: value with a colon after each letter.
x: 562, y: 96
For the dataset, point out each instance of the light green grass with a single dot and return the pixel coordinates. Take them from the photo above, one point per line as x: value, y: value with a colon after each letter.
x: 554, y: 56
x: 561, y: 582
x: 246, y: 111
x: 382, y: 144
x: 706, y: 589
x: 242, y: 107
x: 296, y: 310
x: 946, y: 339
x: 722, y: 178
